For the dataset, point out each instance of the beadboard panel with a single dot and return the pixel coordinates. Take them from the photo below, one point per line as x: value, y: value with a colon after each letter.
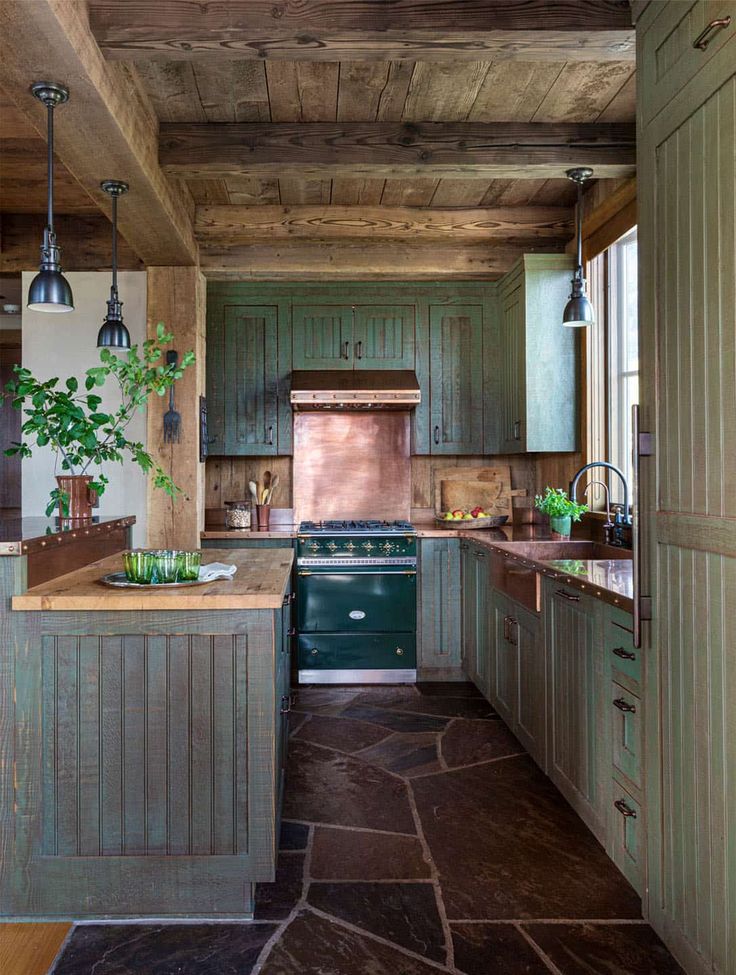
x: 145, y: 745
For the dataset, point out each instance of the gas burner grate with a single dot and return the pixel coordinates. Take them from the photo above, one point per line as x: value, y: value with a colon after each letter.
x: 355, y: 527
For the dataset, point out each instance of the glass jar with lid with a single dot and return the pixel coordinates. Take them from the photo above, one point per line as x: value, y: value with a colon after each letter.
x: 238, y: 515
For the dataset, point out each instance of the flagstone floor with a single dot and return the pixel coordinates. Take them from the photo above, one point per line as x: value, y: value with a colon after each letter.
x: 418, y: 838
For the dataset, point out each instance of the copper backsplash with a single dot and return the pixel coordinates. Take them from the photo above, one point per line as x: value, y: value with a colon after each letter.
x: 351, y: 465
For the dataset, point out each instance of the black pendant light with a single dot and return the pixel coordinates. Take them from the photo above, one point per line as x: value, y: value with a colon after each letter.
x: 49, y: 290
x: 114, y: 334
x: 578, y: 311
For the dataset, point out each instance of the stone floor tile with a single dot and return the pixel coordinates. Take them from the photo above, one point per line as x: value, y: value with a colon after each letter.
x: 494, y: 949
x: 447, y: 688
x: 323, y: 700
x: 349, y: 854
x: 467, y: 742
x: 276, y: 901
x: 406, y: 755
x: 326, y: 787
x: 294, y: 836
x: 395, y: 720
x: 163, y: 949
x: 604, y: 949
x: 312, y: 945
x: 344, y: 734
x: 449, y: 707
x: 405, y: 914
x: 507, y: 845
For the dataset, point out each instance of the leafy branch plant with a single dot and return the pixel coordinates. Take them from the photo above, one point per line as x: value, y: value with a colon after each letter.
x: 556, y: 504
x: 69, y: 420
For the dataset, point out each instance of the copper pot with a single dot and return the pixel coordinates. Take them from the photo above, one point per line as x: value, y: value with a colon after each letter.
x: 80, y: 494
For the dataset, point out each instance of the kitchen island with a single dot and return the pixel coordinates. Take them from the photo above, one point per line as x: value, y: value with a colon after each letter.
x: 142, y: 738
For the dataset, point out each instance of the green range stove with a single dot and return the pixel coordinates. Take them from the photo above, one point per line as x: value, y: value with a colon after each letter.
x: 357, y: 602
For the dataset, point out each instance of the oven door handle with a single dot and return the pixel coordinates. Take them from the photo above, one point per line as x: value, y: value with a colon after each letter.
x: 349, y: 572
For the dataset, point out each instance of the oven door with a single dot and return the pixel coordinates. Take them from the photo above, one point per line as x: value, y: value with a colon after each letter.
x: 347, y: 601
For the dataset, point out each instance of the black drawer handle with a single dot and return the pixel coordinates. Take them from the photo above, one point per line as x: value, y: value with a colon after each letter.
x: 517, y: 429
x: 709, y: 32
x: 286, y: 704
x: 623, y: 654
x: 624, y: 705
x: 626, y: 811
x: 567, y: 595
x: 436, y: 435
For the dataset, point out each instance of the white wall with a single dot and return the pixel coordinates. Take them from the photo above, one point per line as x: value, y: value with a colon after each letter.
x: 65, y: 345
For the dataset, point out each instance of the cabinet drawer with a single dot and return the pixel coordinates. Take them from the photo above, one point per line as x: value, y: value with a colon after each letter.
x: 624, y: 657
x: 353, y: 651
x: 669, y: 58
x: 626, y: 732
x: 627, y: 835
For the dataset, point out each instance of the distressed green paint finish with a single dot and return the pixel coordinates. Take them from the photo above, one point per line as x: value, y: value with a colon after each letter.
x: 539, y: 370
x: 323, y: 336
x: 476, y: 620
x: 456, y: 378
x: 439, y: 612
x: 148, y: 751
x: 384, y: 336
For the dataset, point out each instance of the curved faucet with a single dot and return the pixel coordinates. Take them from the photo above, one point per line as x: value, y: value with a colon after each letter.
x: 610, y: 467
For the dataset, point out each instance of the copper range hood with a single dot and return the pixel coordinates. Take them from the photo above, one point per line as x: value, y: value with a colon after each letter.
x: 360, y: 389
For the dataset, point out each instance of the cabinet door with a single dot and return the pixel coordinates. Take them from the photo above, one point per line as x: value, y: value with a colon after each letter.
x: 511, y: 404
x: 384, y: 336
x: 469, y: 573
x: 577, y: 734
x: 322, y: 336
x: 479, y: 591
x: 531, y: 712
x: 456, y: 366
x: 504, y: 680
x: 242, y: 378
x: 439, y: 604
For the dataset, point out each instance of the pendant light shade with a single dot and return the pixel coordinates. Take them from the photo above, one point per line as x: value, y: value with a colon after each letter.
x: 114, y: 334
x: 50, y: 290
x: 578, y: 311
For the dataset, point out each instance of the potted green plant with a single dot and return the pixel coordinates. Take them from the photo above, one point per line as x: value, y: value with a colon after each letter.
x: 69, y: 421
x: 561, y: 510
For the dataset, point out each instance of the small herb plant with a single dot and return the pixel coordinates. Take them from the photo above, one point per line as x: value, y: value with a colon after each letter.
x: 70, y: 422
x: 556, y: 504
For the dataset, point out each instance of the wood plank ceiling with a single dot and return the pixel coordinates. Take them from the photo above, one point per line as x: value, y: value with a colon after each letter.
x: 389, y: 91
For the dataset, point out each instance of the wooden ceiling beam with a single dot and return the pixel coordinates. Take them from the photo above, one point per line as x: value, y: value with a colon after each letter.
x: 492, y: 150
x: 107, y: 130
x: 85, y: 239
x: 343, y: 30
x: 360, y: 260
x: 242, y: 224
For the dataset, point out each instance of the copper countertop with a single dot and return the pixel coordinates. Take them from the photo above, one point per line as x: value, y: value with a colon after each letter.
x: 19, y: 536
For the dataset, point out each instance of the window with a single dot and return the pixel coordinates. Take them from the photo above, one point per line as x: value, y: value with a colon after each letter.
x: 613, y: 360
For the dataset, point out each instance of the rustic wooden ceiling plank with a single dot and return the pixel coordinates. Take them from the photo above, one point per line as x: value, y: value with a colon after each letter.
x: 86, y: 240
x: 304, y: 260
x: 450, y: 30
x: 241, y: 224
x: 582, y: 91
x: 408, y: 192
x: 555, y: 192
x: 393, y: 96
x: 397, y: 151
x: 347, y: 191
x: 23, y: 179
x: 209, y: 192
x: 108, y: 127
x: 295, y: 191
x: 622, y: 107
x: 443, y: 91
x: 512, y: 192
x: 173, y: 91
x: 362, y: 83
x: 252, y: 190
x: 512, y: 91
x: 233, y: 91
x: 303, y: 91
x: 458, y: 193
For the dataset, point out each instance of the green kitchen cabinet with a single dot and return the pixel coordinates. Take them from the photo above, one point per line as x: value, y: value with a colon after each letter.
x: 504, y: 683
x: 456, y: 378
x: 248, y: 364
x: 579, y: 752
x: 384, y: 336
x: 476, y: 639
x: 323, y: 336
x: 439, y: 610
x: 538, y: 358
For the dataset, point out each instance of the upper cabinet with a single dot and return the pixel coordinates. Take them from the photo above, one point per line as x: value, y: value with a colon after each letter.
x: 323, y: 336
x: 456, y: 378
x: 247, y: 374
x: 538, y: 358
x: 385, y: 336
x: 339, y: 336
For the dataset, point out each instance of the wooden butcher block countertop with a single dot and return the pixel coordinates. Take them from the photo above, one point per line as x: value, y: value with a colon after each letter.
x: 260, y: 583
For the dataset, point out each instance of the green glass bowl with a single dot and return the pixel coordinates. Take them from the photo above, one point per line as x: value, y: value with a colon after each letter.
x: 139, y: 566
x: 189, y: 563
x: 167, y: 566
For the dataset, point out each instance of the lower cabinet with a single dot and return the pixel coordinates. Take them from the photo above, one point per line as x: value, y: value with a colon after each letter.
x: 476, y: 617
x: 439, y: 635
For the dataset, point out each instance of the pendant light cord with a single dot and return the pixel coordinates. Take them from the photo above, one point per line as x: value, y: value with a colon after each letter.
x: 579, y: 267
x: 50, y: 150
x: 115, y: 244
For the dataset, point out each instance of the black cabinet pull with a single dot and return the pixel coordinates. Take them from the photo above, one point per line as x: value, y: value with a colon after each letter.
x: 269, y: 436
x: 517, y: 429
x: 624, y: 705
x: 625, y: 810
x: 436, y: 435
x: 359, y: 349
x: 292, y: 631
x: 289, y: 598
x: 709, y: 32
x: 346, y: 350
x: 286, y: 703
x: 623, y: 654
x: 567, y: 595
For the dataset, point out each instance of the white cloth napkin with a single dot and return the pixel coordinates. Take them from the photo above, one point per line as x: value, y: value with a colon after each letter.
x: 216, y: 570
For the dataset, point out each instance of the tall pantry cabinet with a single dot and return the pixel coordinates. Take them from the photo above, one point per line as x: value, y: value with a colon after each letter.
x: 686, y: 90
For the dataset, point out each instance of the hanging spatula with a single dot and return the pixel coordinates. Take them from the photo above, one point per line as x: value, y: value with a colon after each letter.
x: 172, y: 419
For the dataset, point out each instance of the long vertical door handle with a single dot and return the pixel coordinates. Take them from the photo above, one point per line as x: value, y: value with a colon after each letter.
x: 346, y: 349
x: 637, y: 452
x: 436, y: 434
x: 359, y: 349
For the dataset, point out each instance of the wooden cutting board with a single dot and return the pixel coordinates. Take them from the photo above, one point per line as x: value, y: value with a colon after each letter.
x: 489, y: 495
x: 491, y: 477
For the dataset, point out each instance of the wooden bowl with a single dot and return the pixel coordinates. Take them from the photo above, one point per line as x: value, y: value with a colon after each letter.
x: 493, y: 521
